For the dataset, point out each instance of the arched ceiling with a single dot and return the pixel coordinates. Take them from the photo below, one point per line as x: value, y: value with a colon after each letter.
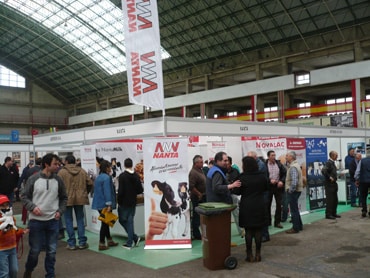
x: 201, y: 37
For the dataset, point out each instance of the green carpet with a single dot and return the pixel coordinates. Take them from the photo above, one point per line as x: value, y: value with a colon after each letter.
x: 154, y: 258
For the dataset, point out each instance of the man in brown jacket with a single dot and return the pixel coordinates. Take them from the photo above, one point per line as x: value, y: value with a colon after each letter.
x: 77, y: 183
x: 197, y: 187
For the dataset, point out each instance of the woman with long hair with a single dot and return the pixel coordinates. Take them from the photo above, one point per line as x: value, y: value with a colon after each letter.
x: 252, y: 209
x: 104, y: 197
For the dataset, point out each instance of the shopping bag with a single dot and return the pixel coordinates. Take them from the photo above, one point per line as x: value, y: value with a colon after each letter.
x: 108, y: 217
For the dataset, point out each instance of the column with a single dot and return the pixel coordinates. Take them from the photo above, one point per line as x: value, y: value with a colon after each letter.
x: 281, y: 106
x: 356, y: 102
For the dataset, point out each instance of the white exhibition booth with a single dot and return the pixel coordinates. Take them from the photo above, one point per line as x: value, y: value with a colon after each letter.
x: 226, y: 131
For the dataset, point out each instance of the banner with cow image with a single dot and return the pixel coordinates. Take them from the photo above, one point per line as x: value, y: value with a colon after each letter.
x: 143, y: 53
x: 166, y: 199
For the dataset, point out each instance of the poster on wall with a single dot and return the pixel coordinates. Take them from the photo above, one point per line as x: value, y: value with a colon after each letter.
x: 358, y: 146
x: 341, y: 120
x: 166, y: 199
x: 316, y: 156
x: 88, y: 160
x: 88, y: 163
x: 214, y: 147
x: 115, y: 152
x: 261, y: 145
x: 120, y: 150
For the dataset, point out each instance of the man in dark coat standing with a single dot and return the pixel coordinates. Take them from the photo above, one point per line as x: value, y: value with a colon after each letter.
x: 129, y: 187
x: 331, y: 186
x: 9, y: 177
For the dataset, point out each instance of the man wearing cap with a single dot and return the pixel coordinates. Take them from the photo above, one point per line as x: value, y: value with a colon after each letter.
x: 9, y: 177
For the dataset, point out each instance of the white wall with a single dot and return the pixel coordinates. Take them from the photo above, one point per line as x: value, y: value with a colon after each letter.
x: 340, y: 145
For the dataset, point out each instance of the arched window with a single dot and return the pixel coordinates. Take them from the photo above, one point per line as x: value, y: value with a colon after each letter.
x: 9, y: 78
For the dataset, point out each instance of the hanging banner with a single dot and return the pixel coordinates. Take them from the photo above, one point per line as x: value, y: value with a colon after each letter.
x: 166, y: 199
x: 143, y: 53
x: 316, y: 156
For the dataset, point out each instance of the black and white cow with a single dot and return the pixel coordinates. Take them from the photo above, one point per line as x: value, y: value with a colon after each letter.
x: 174, y: 206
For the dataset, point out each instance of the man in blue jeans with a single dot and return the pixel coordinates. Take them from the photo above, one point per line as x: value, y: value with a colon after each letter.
x: 77, y: 183
x: 129, y: 187
x: 294, y: 187
x: 45, y: 199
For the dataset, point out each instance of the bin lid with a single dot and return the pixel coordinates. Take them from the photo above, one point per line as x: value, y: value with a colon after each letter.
x: 214, y: 208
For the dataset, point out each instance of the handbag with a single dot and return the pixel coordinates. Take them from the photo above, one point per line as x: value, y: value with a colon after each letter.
x: 108, y: 217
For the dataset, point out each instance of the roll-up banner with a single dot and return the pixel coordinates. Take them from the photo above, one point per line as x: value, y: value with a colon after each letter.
x: 316, y: 156
x: 166, y: 199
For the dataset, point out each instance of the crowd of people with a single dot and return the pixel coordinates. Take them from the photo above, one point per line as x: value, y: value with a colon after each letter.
x: 258, y: 184
x: 51, y: 190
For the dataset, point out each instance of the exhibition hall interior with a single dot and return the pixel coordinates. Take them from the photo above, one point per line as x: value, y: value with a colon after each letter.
x: 234, y: 76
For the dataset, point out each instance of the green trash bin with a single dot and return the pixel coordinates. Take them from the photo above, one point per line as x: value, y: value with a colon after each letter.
x: 215, y: 219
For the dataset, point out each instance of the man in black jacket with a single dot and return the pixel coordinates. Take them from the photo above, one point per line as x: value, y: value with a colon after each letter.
x: 331, y: 186
x: 129, y: 187
x: 9, y: 177
x: 277, y: 173
x: 362, y: 177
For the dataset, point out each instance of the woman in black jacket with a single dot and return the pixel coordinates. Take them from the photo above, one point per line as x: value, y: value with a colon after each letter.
x: 252, y: 209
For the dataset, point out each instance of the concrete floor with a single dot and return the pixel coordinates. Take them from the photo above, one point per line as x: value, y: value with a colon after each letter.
x: 325, y: 248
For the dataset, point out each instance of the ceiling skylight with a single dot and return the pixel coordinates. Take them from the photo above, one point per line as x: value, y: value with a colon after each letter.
x: 95, y: 27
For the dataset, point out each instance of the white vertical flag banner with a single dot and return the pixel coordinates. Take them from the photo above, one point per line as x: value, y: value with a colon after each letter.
x: 143, y: 53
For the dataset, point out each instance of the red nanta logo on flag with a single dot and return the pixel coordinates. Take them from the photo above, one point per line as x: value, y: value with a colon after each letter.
x: 145, y: 65
x: 139, y: 15
x: 166, y: 150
